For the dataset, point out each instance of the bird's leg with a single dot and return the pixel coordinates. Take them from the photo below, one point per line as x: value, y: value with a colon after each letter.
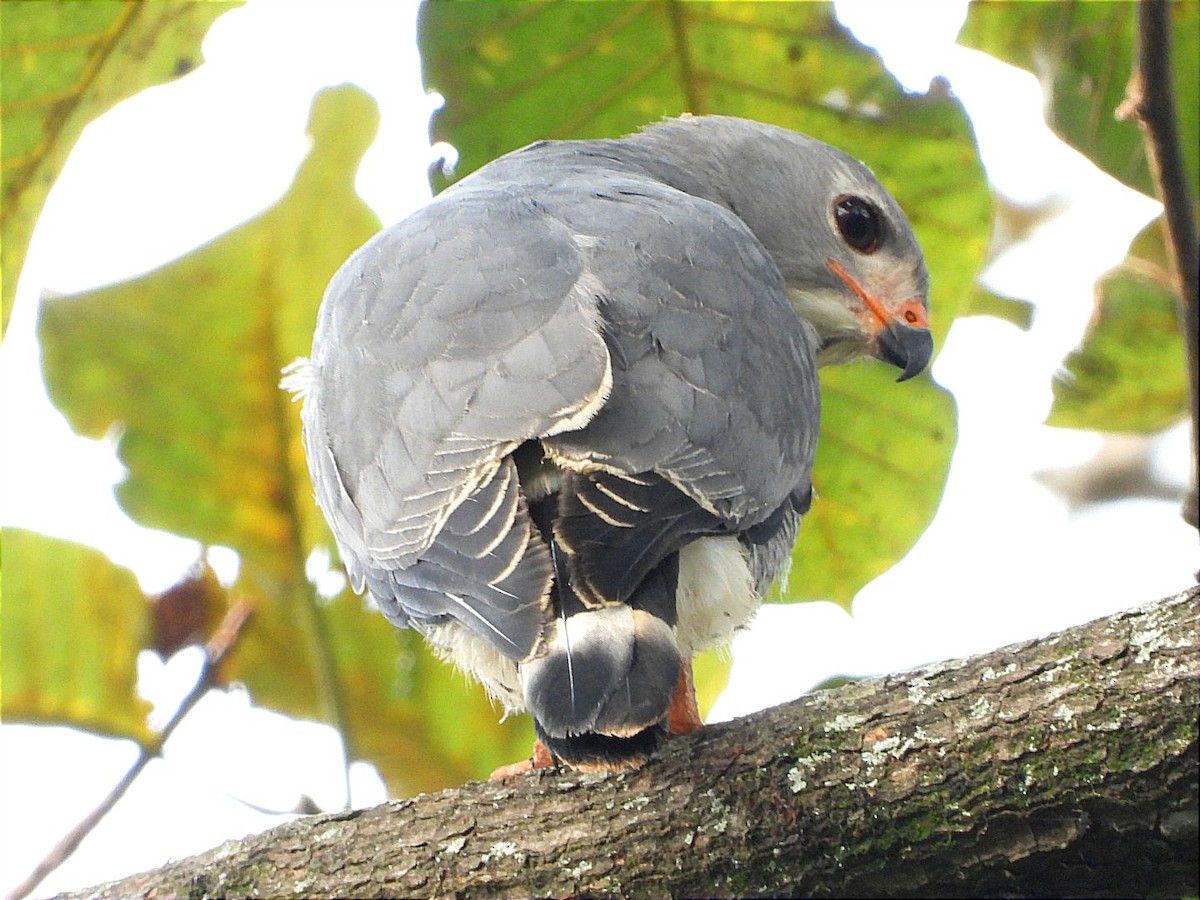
x: 541, y: 759
x: 683, y: 715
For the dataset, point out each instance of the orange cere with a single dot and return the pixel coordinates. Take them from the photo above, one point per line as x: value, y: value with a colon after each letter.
x: 911, y: 312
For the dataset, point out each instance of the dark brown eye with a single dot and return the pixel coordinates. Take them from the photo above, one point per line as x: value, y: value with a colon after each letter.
x: 860, y: 223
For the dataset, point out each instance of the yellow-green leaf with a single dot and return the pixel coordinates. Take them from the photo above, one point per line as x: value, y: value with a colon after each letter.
x: 1082, y: 53
x: 457, y: 724
x: 416, y: 718
x: 65, y: 63
x: 185, y: 363
x: 185, y: 360
x: 1129, y: 374
x: 710, y: 673
x: 881, y: 466
x: 73, y: 625
x: 983, y: 302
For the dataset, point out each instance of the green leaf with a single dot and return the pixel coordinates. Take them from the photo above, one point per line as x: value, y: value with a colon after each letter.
x: 512, y: 73
x: 987, y: 303
x: 1082, y: 53
x: 414, y: 717
x: 73, y: 625
x: 184, y: 363
x: 881, y: 465
x: 65, y: 63
x: 1129, y: 373
x: 425, y: 725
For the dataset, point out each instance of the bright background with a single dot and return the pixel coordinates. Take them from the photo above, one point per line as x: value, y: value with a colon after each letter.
x: 1005, y: 559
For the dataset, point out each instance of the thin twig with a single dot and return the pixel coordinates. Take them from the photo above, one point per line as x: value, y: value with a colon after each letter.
x: 1150, y: 99
x: 215, y: 651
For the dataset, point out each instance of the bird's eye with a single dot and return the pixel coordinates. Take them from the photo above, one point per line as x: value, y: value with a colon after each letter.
x: 860, y: 223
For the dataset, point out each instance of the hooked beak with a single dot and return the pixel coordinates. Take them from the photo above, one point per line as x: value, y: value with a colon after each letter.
x: 908, y: 349
x: 899, y: 337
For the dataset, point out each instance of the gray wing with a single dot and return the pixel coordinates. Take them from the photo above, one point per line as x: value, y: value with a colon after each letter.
x: 440, y: 347
x: 643, y: 334
x: 714, y: 380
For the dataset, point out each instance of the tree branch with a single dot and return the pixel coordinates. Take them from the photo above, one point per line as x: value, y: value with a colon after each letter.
x: 1150, y: 99
x: 1066, y: 765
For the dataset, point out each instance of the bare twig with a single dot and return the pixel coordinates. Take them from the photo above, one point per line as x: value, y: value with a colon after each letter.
x: 215, y: 650
x: 1150, y: 99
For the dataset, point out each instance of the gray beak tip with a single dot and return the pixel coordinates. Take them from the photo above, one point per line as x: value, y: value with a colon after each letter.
x: 908, y: 349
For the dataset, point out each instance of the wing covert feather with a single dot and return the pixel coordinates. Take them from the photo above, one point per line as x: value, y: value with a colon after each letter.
x: 714, y: 375
x: 630, y: 326
x: 445, y: 342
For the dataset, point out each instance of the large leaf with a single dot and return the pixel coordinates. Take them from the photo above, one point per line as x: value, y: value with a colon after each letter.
x: 1082, y: 53
x: 419, y: 721
x: 73, y: 625
x: 710, y: 670
x: 64, y: 64
x: 184, y: 362
x: 513, y: 73
x: 425, y: 725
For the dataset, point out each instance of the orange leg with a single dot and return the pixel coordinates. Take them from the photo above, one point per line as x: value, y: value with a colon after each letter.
x: 683, y: 715
x: 541, y: 759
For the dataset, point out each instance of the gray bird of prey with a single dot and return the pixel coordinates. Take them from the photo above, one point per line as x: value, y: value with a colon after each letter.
x: 562, y: 420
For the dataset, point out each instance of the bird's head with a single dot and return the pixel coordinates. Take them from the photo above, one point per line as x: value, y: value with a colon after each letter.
x: 853, y: 266
x: 851, y: 262
x: 871, y: 297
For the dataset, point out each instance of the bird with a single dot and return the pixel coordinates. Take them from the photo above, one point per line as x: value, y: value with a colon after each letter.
x: 561, y: 420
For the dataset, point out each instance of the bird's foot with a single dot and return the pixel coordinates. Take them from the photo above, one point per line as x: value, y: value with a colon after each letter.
x: 541, y: 759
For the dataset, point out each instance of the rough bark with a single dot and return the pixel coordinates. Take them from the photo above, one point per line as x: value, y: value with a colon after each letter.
x: 1060, y: 766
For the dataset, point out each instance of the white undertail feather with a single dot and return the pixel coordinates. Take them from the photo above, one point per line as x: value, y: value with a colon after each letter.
x: 715, y: 597
x: 478, y: 659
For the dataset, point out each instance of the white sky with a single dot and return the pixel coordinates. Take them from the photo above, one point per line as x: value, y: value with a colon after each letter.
x: 1005, y: 560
